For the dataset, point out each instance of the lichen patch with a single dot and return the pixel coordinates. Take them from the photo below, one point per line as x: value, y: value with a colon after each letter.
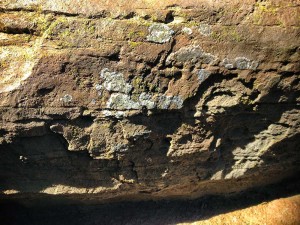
x: 159, y: 33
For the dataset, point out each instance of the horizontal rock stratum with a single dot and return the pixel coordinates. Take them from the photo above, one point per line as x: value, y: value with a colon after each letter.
x: 147, y: 99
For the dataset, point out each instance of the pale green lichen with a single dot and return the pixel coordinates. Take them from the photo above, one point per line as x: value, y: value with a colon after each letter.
x: 187, y: 30
x: 120, y: 101
x: 159, y: 33
x: 203, y: 75
x: 145, y: 99
x: 123, y: 98
x: 166, y: 102
x: 241, y: 63
x: 205, y: 29
x: 115, y: 82
x: 227, y: 64
x: 66, y: 98
x: 191, y: 54
x: 185, y: 54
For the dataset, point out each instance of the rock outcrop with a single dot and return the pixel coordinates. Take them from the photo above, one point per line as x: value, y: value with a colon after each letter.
x: 147, y: 99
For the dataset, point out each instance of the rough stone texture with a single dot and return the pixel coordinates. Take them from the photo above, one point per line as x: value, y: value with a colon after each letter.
x: 108, y: 99
x: 265, y: 213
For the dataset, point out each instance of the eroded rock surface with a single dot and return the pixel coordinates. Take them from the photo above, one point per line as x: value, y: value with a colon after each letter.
x: 176, y: 98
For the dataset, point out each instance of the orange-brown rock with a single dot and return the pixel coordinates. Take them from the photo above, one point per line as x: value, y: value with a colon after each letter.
x: 147, y: 99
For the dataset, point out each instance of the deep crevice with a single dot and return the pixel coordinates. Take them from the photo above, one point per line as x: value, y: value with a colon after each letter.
x: 130, y: 15
x: 44, y: 91
x: 3, y: 132
x: 17, y: 30
x: 249, y: 84
x: 114, y: 57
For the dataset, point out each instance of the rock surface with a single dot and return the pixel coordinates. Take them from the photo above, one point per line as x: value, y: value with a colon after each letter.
x: 147, y: 99
x: 284, y: 211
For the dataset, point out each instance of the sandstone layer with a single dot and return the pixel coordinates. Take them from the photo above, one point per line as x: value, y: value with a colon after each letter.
x: 147, y: 99
x: 265, y: 213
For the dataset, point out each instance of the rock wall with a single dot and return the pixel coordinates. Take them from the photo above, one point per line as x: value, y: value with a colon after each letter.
x: 147, y: 99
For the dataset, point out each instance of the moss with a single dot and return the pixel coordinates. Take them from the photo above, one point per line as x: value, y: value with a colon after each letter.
x: 215, y: 35
x: 154, y: 18
x: 139, y: 20
x: 265, y: 7
x: 292, y: 4
x: 53, y: 28
x: 261, y: 9
x: 192, y: 24
x: 28, y: 55
x: 91, y: 28
x: 71, y: 32
x: 42, y: 22
x: 147, y: 23
x: 138, y: 85
x: 23, y: 38
x: 135, y: 97
x: 235, y: 35
x: 245, y: 101
x: 133, y: 35
x: 137, y: 81
x: 227, y: 33
x: 257, y: 17
x: 34, y: 22
x: 134, y: 44
x: 65, y: 34
x: 153, y: 87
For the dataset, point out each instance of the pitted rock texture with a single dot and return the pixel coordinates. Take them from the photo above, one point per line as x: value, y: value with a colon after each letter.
x: 102, y: 99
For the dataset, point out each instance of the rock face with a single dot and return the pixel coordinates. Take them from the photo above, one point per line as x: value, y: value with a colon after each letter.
x: 147, y: 99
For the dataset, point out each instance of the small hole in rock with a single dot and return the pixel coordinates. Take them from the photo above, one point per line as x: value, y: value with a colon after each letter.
x: 169, y: 17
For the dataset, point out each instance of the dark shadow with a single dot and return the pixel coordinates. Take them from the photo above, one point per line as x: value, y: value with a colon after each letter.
x: 59, y: 210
